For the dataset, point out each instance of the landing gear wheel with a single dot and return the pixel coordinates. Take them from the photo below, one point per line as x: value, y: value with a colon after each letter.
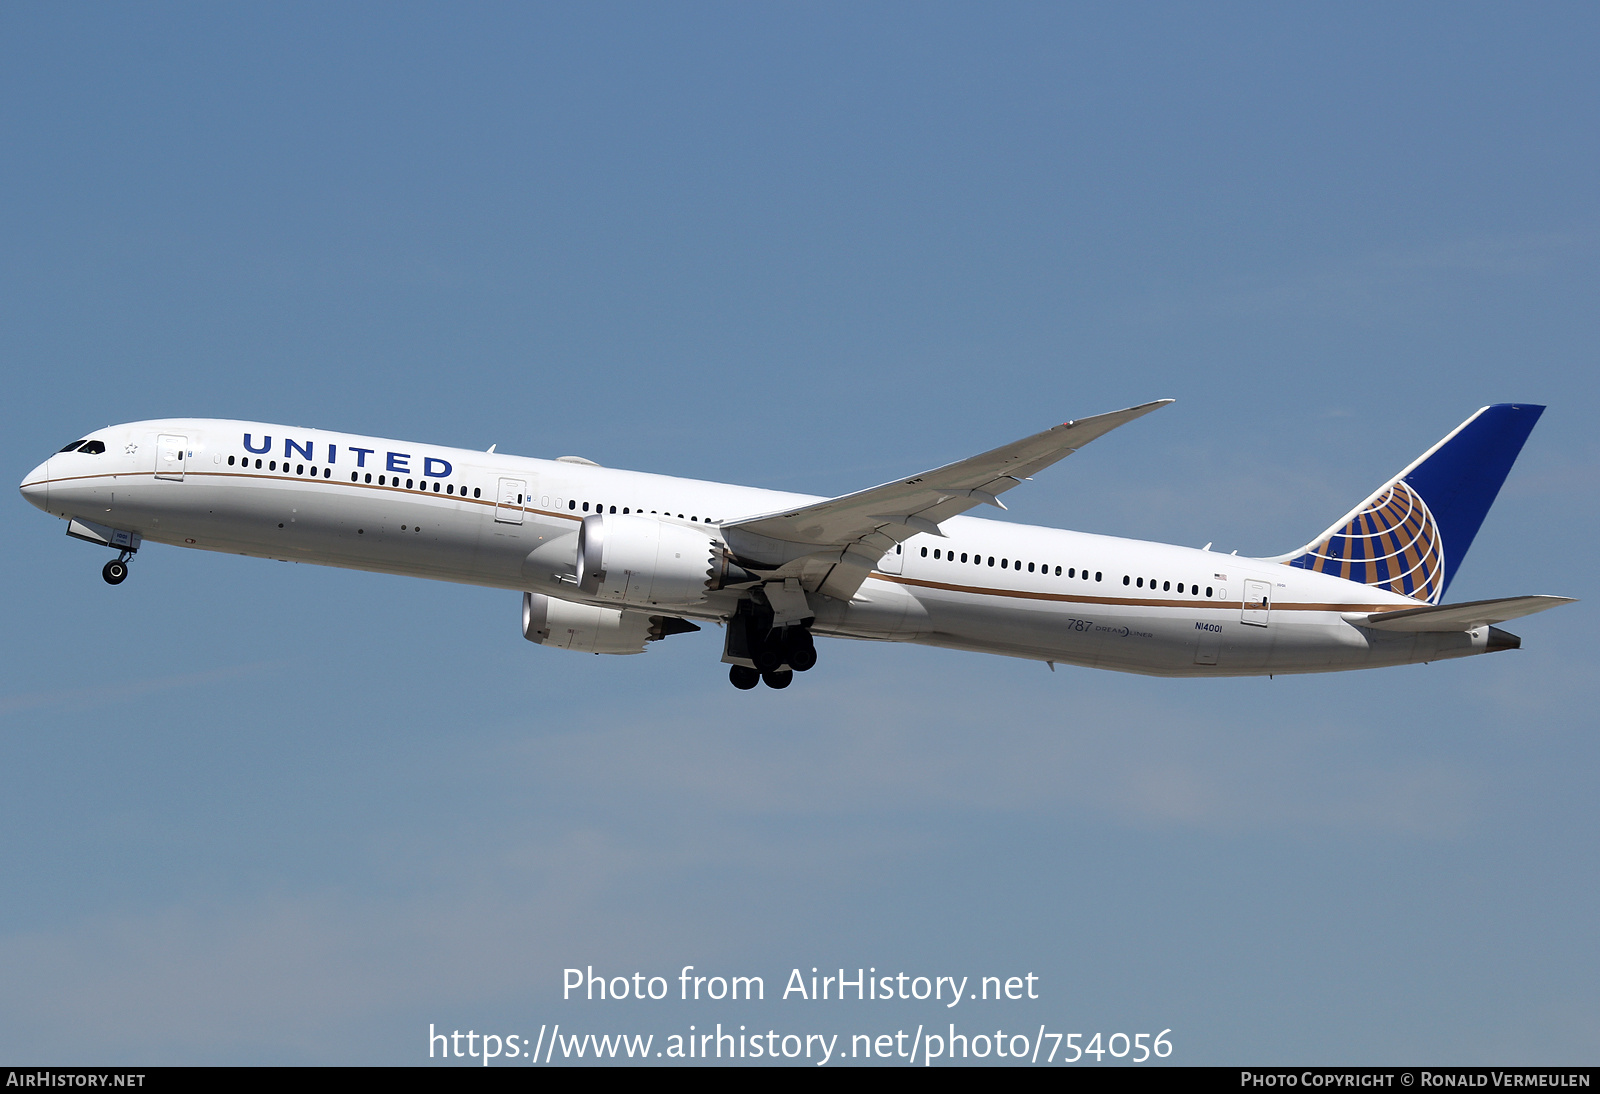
x: 768, y: 653
x: 742, y: 677
x: 115, y: 572
x: 777, y: 680
x: 799, y: 650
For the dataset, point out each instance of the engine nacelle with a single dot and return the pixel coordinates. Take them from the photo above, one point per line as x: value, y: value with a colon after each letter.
x: 583, y: 627
x: 647, y: 563
x: 589, y: 628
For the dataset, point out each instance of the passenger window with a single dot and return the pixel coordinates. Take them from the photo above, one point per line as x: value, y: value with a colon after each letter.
x: 258, y: 465
x: 273, y: 466
x: 613, y: 508
x: 963, y: 556
x: 1208, y: 590
x: 354, y: 476
x: 1180, y: 586
x: 585, y: 507
x: 1058, y: 571
x: 408, y: 484
x: 1002, y: 564
x: 230, y: 461
x: 71, y: 446
x: 301, y: 470
x: 991, y: 560
x: 924, y: 552
x: 476, y: 492
x: 1096, y: 574
x: 1125, y: 579
x: 1166, y: 586
x: 935, y: 553
x: 382, y: 481
x: 1030, y: 567
x: 1140, y: 582
x: 450, y: 488
x: 435, y: 488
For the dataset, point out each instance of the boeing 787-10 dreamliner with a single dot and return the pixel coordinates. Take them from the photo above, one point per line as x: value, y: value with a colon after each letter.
x: 608, y: 561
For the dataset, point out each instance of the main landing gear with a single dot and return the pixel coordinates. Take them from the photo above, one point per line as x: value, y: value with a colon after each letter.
x: 792, y: 646
x: 744, y: 678
x: 759, y: 652
x: 116, y: 571
x: 775, y: 659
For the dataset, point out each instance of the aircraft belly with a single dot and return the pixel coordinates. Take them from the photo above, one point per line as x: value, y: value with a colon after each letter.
x: 1040, y: 630
x: 1190, y: 642
x: 880, y: 609
x: 391, y: 533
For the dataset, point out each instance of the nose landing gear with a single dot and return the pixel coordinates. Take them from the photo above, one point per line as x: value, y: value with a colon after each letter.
x: 116, y: 571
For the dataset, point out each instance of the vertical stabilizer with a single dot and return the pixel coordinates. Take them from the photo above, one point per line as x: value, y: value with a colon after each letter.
x: 1410, y: 536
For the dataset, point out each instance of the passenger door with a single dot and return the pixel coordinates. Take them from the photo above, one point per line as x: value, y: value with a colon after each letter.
x: 1257, y: 602
x: 170, y: 452
x: 513, y: 494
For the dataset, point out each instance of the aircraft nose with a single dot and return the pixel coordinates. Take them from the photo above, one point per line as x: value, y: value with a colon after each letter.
x: 36, y: 486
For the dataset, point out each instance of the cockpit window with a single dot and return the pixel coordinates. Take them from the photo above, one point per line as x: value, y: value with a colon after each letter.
x: 71, y: 446
x: 92, y: 448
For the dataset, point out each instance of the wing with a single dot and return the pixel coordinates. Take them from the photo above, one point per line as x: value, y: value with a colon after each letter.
x: 1460, y: 617
x: 832, y: 545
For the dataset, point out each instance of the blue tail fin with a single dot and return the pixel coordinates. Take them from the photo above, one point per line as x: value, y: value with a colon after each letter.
x: 1410, y: 536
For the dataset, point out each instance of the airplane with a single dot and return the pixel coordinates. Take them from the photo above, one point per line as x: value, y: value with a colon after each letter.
x: 609, y: 561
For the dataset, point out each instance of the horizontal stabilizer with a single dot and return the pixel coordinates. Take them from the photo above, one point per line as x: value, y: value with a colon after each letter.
x: 1460, y: 617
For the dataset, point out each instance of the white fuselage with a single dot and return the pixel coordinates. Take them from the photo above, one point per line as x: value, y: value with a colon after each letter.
x: 398, y: 507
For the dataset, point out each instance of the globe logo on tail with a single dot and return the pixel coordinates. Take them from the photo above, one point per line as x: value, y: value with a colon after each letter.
x: 1393, y: 543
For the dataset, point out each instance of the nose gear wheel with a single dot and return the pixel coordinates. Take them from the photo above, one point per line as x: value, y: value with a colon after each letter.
x: 116, y: 571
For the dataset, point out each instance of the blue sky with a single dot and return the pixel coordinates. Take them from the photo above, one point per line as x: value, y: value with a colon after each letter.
x: 271, y: 813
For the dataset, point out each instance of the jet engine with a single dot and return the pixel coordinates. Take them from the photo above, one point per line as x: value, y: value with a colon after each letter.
x: 642, y: 562
x: 591, y: 629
